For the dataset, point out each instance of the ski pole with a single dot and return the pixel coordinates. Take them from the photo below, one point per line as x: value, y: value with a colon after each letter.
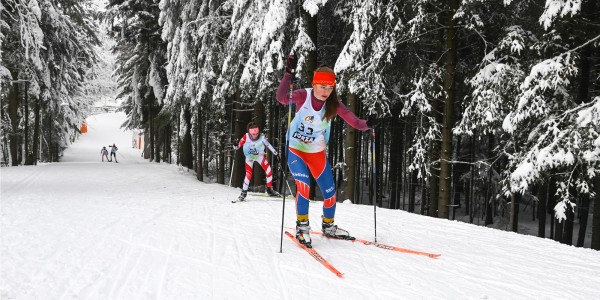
x: 287, y: 149
x: 374, y: 179
x: 232, y: 164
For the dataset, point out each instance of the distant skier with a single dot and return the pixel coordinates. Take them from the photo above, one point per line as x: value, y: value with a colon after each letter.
x: 308, y: 135
x: 253, y: 143
x: 113, y: 152
x: 104, y: 153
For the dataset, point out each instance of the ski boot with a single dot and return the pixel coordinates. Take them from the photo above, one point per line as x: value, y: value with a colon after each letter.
x: 332, y: 231
x: 272, y: 192
x: 303, y: 233
x: 242, y: 196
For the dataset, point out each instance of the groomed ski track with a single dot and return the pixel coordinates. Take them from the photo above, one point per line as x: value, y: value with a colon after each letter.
x: 82, y: 229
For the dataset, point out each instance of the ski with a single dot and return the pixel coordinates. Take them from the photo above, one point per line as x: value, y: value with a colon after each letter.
x: 381, y: 245
x: 275, y: 198
x: 316, y: 256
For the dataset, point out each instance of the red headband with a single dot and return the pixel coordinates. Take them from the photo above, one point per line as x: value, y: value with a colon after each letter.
x: 324, y: 78
x: 253, y: 130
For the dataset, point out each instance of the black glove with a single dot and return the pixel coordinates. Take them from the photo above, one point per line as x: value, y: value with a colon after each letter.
x: 373, y: 121
x: 291, y: 63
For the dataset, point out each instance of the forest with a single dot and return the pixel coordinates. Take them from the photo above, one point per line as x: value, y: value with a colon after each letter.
x: 487, y: 106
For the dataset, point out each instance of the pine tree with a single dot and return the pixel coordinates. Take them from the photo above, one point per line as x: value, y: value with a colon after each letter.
x: 48, y: 45
x: 141, y: 56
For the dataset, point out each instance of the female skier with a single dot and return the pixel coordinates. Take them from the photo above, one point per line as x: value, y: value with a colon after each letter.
x: 308, y: 136
x: 253, y: 144
x: 104, y: 153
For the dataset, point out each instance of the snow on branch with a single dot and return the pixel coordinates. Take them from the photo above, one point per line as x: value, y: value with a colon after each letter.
x: 547, y: 82
x: 556, y: 8
x: 496, y: 84
x: 567, y: 141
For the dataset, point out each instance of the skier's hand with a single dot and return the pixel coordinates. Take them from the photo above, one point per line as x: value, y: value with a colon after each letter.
x: 291, y: 63
x: 373, y: 121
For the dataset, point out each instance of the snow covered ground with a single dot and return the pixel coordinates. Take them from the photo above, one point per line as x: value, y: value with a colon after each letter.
x: 83, y: 229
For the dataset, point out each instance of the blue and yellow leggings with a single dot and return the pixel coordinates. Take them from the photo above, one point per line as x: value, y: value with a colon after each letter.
x: 300, y: 165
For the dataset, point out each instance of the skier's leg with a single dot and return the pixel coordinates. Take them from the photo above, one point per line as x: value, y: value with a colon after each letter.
x: 299, y: 170
x: 264, y: 163
x: 249, y: 164
x: 321, y: 170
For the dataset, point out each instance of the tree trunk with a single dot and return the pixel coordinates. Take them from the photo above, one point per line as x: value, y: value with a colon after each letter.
x: 49, y: 146
x: 28, y: 155
x: 434, y: 182
x: 558, y: 229
x: 446, y: 150
x: 596, y: 217
x: 550, y: 205
x: 568, y: 227
x: 148, y: 142
x: 434, y: 154
x: 515, y: 199
x: 152, y: 133
x: 36, y: 131
x: 167, y: 137
x: 205, y: 161
x: 469, y: 203
x: 489, y: 202
x: 396, y: 160
x: 542, y: 209
x: 570, y: 213
x: 347, y: 189
x: 187, y: 149
x: 179, y: 141
x: 413, y: 191
x: 589, y: 8
x: 221, y: 160
x: 242, y: 117
x: 199, y: 144
x: 583, y: 219
x: 13, y: 115
x: 558, y: 225
x: 156, y: 140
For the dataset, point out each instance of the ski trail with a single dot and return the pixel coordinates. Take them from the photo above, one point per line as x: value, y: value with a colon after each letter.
x: 163, y: 274
x: 83, y: 229
x: 129, y: 265
x: 34, y: 172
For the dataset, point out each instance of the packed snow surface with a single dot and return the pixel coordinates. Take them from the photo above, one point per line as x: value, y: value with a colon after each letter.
x: 84, y: 229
